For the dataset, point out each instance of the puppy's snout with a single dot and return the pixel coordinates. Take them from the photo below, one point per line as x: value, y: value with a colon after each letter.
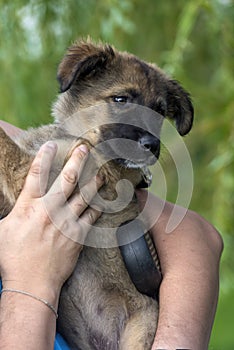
x: 149, y: 143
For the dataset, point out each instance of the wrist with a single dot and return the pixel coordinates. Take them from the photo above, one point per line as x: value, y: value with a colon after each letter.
x: 38, y: 320
x: 36, y: 288
x: 177, y: 332
x: 181, y: 325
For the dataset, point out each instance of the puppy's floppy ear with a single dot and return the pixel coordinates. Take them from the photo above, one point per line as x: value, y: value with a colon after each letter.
x: 179, y: 107
x: 82, y: 59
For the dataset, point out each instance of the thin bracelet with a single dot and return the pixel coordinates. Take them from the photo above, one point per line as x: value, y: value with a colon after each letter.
x: 51, y: 307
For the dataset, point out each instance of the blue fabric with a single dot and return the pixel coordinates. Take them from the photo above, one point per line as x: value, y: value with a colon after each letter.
x: 59, y: 343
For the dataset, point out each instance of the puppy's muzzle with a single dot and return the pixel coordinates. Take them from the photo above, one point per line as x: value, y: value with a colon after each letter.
x: 129, y: 145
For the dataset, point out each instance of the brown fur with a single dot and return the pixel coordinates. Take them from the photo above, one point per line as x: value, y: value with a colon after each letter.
x: 99, y: 306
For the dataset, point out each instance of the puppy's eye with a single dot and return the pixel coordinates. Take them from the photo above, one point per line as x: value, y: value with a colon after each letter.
x: 120, y: 99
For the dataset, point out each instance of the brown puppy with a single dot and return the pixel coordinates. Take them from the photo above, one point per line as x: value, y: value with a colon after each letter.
x: 102, y: 91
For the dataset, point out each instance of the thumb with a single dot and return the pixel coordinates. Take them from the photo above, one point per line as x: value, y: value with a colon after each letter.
x: 37, y: 179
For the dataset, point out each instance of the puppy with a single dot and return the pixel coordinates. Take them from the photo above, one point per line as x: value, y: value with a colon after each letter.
x: 106, y: 95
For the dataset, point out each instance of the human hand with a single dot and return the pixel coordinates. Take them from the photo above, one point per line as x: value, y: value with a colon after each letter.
x: 35, y: 255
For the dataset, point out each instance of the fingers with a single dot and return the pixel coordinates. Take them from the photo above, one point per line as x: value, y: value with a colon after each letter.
x: 66, y: 182
x: 80, y: 201
x: 37, y: 178
x: 84, y: 225
x: 65, y: 207
x: 73, y: 227
x: 66, y: 210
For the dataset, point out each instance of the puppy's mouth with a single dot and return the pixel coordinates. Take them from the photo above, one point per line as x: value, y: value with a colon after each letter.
x: 143, y: 168
x: 137, y: 163
x: 130, y: 154
x: 145, y: 172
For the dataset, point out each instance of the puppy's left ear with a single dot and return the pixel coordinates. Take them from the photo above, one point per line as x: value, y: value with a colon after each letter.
x: 179, y: 107
x: 83, y: 58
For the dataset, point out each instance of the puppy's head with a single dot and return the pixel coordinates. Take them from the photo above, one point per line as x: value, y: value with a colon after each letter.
x: 124, y: 90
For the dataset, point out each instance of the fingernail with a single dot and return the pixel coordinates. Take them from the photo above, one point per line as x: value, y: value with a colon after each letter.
x: 50, y: 144
x: 83, y: 148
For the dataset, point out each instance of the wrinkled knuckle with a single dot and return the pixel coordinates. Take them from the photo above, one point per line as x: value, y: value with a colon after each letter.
x: 93, y: 215
x: 36, y: 169
x: 45, y: 217
x: 70, y: 176
x: 80, y: 155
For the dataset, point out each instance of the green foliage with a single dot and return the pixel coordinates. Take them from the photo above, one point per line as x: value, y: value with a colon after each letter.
x: 191, y: 39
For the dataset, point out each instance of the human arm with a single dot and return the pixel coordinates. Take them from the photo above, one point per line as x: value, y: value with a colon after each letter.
x: 35, y: 255
x: 189, y: 257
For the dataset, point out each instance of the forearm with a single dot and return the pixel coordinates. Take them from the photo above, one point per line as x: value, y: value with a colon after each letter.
x: 187, y: 308
x: 26, y: 323
x: 189, y: 257
x: 189, y: 291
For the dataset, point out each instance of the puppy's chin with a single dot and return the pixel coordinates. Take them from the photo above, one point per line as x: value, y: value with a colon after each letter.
x: 129, y: 164
x: 137, y: 164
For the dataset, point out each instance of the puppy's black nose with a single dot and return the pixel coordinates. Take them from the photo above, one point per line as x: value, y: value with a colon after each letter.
x: 150, y: 143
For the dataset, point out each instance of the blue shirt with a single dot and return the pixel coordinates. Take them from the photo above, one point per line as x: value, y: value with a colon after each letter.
x: 59, y: 342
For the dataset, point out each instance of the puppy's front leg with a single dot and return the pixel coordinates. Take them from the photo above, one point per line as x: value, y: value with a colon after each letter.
x: 140, y: 329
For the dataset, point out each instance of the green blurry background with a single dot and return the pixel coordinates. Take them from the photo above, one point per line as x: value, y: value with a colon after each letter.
x: 192, y: 40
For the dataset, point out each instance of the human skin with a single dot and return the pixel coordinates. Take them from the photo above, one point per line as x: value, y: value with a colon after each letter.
x: 40, y: 258
x: 189, y: 257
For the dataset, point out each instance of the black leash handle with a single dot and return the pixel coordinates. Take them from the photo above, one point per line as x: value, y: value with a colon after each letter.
x: 140, y: 257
